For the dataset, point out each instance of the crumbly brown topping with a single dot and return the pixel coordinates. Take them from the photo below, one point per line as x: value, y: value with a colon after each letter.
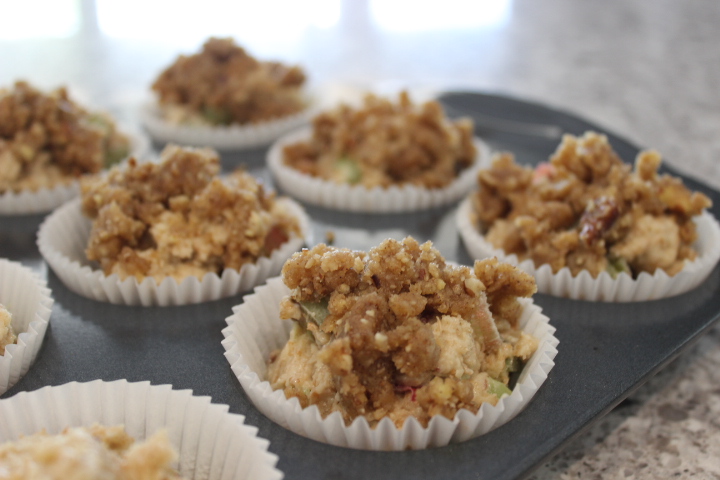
x: 385, y: 143
x: 84, y: 453
x: 7, y: 334
x: 223, y: 84
x: 178, y: 218
x: 48, y: 140
x: 588, y: 210
x: 397, y: 332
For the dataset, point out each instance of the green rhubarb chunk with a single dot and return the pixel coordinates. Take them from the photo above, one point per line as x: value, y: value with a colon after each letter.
x: 216, y: 116
x: 617, y: 265
x: 99, y: 120
x: 349, y: 170
x: 513, y: 364
x: 315, y: 311
x: 497, y: 388
x: 114, y: 155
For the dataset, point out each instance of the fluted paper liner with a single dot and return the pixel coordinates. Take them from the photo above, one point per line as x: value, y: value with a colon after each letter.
x: 255, y: 330
x: 212, y: 444
x: 357, y: 198
x: 63, y: 237
x: 223, y: 137
x: 604, y: 288
x: 28, y: 202
x: 29, y: 301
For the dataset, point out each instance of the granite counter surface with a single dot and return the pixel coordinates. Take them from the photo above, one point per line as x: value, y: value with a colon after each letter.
x: 648, y: 71
x: 667, y: 429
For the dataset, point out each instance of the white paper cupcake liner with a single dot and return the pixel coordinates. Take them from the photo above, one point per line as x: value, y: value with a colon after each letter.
x: 357, y: 198
x: 212, y: 444
x: 255, y: 330
x: 230, y: 137
x: 63, y: 237
x: 29, y: 302
x: 44, y: 200
x: 604, y: 288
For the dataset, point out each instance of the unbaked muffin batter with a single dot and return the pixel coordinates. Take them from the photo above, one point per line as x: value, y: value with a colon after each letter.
x: 385, y: 143
x: 397, y: 332
x: 224, y: 85
x: 48, y: 140
x: 178, y: 218
x: 96, y: 452
x: 7, y: 335
x: 587, y: 210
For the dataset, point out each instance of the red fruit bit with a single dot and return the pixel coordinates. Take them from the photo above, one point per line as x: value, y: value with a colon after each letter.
x: 275, y: 237
x: 407, y: 389
x: 542, y: 171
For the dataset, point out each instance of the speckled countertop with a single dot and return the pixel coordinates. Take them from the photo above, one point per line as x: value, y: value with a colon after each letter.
x: 668, y: 428
x: 647, y: 70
